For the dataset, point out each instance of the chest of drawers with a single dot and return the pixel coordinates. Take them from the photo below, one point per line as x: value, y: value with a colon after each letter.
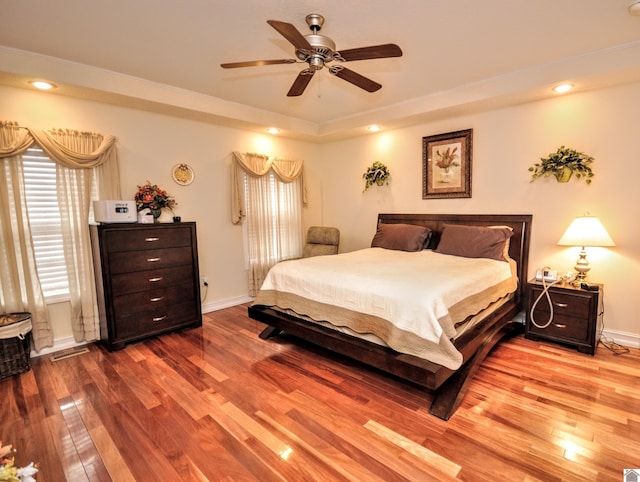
x: 147, y: 280
x: 575, y: 320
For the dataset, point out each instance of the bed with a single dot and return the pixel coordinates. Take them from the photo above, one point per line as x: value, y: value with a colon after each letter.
x: 338, y: 325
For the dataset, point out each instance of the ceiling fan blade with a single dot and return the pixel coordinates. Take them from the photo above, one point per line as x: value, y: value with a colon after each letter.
x: 356, y: 79
x: 256, y: 63
x: 291, y: 33
x: 301, y: 82
x: 373, y: 52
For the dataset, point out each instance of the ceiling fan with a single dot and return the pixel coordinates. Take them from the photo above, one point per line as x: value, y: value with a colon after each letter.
x: 317, y: 51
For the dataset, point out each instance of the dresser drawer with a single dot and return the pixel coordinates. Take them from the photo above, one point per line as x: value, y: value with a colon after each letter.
x: 563, y: 303
x: 143, y: 324
x: 130, y: 261
x: 126, y: 283
x: 562, y: 327
x: 156, y: 300
x: 148, y: 238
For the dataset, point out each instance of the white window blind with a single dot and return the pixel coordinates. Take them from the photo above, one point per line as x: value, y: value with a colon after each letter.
x: 44, y: 219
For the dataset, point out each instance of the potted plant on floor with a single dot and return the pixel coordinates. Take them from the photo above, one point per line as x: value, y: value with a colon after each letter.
x: 562, y: 164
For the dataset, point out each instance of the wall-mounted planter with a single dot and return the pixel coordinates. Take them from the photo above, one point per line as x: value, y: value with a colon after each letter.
x: 563, y: 164
x: 377, y: 174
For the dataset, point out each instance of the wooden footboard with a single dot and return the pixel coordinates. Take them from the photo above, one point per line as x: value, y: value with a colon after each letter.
x: 448, y: 386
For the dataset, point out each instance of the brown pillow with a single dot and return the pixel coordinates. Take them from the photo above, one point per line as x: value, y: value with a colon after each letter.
x: 401, y: 237
x: 474, y: 241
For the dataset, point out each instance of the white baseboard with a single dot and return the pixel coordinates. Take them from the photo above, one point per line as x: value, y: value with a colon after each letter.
x: 59, y: 345
x: 621, y: 338
x: 625, y: 339
x: 220, y: 305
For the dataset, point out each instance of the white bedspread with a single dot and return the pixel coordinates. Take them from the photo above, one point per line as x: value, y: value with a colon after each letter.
x: 414, y: 291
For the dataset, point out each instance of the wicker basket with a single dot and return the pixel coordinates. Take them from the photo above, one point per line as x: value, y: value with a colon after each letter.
x: 15, y: 344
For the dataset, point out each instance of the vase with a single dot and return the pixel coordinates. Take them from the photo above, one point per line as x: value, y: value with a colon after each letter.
x: 156, y: 214
x: 564, y: 174
x: 446, y: 175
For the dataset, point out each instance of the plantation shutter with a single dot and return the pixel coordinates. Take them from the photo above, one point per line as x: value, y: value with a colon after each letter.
x: 44, y: 219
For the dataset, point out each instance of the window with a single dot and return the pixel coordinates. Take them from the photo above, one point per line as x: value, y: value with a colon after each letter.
x: 274, y: 234
x: 45, y: 223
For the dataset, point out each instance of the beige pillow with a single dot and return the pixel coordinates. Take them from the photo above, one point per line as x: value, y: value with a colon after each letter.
x: 401, y: 237
x: 475, y: 241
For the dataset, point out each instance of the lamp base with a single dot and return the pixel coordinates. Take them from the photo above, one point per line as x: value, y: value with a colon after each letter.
x: 582, y: 268
x: 579, y: 279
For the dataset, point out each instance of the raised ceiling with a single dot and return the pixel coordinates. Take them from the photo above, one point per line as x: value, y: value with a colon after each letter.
x: 458, y: 55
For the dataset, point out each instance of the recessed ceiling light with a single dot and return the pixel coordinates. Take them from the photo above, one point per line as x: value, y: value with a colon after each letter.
x: 373, y: 128
x: 562, y: 88
x: 42, y: 84
x: 273, y: 130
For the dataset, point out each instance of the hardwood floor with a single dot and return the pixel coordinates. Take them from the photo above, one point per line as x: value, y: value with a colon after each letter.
x: 218, y: 403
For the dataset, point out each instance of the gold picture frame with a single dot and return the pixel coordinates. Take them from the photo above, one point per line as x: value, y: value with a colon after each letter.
x: 446, y: 165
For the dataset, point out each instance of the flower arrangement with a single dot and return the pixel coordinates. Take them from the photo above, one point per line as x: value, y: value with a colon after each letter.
x: 155, y: 198
x: 447, y: 159
x: 377, y: 173
x: 562, y: 164
x: 9, y: 472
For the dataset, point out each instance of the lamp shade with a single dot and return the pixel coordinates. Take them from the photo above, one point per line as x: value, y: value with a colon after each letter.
x: 586, y: 231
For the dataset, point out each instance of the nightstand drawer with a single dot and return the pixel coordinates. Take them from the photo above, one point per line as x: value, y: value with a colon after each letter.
x: 561, y: 327
x: 563, y: 303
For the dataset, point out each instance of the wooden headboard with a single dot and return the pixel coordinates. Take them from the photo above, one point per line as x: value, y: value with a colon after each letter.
x: 519, y: 245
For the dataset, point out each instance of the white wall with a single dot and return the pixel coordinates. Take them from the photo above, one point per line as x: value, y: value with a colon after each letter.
x: 149, y: 145
x: 506, y: 142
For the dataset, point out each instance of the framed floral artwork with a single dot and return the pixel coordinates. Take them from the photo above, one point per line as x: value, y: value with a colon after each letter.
x: 446, y: 165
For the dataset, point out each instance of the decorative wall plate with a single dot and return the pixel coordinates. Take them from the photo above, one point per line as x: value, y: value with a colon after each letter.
x: 183, y: 174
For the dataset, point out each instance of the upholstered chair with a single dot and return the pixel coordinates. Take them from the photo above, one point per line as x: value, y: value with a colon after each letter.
x: 320, y: 241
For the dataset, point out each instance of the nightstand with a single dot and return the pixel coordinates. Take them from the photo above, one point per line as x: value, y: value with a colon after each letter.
x: 576, y: 315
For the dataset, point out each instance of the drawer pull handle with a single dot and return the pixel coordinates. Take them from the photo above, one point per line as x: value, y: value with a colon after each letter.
x: 153, y: 280
x: 153, y: 260
x: 559, y: 325
x: 561, y: 305
x: 158, y: 318
x: 159, y: 298
x: 151, y: 239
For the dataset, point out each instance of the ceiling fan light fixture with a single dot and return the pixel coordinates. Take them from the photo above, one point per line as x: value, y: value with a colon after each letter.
x: 316, y: 62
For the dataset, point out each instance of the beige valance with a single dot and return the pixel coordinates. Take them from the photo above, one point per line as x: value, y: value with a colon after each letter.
x: 15, y: 140
x: 259, y: 165
x: 68, y: 148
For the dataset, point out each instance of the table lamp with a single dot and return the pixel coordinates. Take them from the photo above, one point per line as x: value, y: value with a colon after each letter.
x: 585, y: 231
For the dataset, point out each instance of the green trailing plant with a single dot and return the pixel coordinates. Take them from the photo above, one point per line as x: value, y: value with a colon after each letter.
x: 377, y: 174
x: 562, y: 164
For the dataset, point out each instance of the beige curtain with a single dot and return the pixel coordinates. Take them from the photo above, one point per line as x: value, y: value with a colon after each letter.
x: 257, y: 165
x: 78, y: 156
x: 275, y: 191
x: 20, y: 289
